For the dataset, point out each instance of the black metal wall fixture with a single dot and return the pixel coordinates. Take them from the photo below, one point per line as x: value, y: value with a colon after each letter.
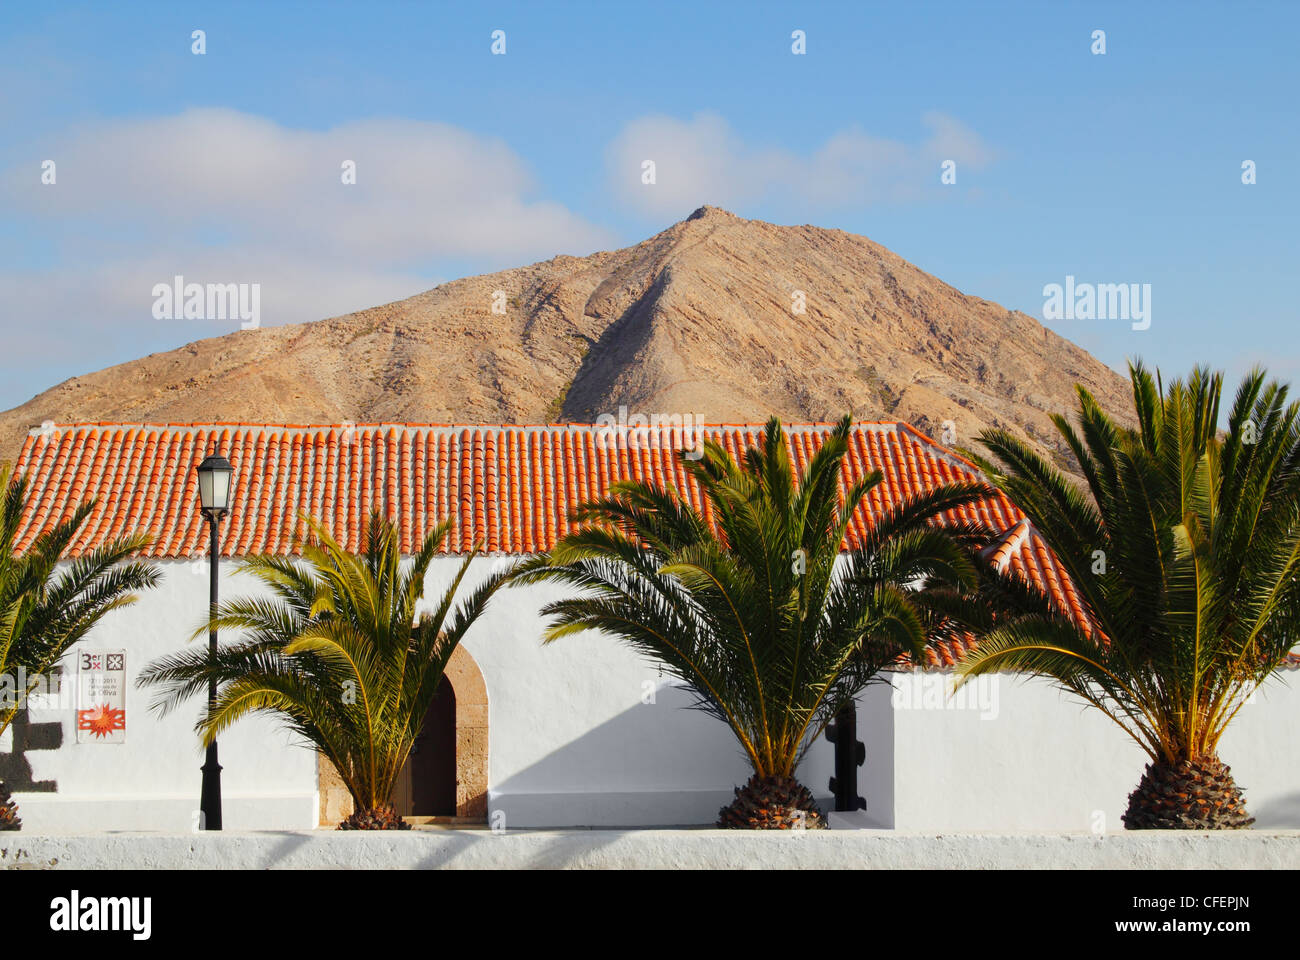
x: 850, y: 753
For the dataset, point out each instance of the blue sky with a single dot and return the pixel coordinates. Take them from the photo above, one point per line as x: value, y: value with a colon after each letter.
x: 1120, y: 168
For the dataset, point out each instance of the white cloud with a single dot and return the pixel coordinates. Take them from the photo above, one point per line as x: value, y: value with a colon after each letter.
x: 423, y: 190
x: 703, y: 161
x: 220, y: 196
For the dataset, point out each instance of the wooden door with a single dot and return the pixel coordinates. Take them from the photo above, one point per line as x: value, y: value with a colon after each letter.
x: 426, y: 787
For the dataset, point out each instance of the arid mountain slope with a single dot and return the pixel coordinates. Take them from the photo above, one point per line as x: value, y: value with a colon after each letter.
x: 697, y: 320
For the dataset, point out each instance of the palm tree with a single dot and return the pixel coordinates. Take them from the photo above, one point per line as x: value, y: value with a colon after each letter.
x: 757, y: 611
x: 43, y: 611
x: 1187, y: 554
x: 340, y: 652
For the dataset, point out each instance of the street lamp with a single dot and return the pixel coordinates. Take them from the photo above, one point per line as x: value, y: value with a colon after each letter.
x: 214, y: 498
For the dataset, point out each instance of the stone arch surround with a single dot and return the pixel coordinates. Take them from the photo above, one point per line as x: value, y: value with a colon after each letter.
x: 471, y: 749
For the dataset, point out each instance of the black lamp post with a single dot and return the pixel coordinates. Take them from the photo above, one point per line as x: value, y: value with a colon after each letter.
x: 214, y: 497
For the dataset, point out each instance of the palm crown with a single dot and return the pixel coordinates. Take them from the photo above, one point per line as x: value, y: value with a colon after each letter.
x: 340, y: 651
x: 752, y: 605
x: 1188, y: 556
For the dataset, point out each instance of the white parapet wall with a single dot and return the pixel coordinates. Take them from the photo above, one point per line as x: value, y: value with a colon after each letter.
x: 652, y: 849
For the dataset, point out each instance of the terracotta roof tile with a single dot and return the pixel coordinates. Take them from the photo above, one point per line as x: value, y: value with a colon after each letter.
x: 508, y: 487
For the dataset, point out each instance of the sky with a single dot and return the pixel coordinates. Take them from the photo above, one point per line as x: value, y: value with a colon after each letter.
x: 226, y: 166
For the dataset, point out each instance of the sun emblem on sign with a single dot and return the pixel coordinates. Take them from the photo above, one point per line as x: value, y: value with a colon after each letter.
x: 101, y: 720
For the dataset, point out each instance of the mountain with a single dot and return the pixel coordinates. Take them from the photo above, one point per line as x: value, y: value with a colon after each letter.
x: 699, y: 319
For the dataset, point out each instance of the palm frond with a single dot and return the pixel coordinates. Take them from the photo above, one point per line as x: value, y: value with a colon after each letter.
x: 337, y: 650
x: 750, y: 602
x: 1199, y: 535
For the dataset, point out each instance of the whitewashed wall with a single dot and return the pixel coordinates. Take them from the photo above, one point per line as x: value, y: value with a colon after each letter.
x: 1019, y: 755
x: 575, y: 742
x: 585, y: 732
x: 151, y: 782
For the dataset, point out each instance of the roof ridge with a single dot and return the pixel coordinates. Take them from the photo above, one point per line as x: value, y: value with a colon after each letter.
x: 954, y: 458
x: 339, y: 425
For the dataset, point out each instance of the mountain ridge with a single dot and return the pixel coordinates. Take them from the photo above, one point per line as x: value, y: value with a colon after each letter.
x: 698, y: 319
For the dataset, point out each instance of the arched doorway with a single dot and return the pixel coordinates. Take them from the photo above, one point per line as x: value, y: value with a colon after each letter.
x: 426, y: 787
x: 452, y: 763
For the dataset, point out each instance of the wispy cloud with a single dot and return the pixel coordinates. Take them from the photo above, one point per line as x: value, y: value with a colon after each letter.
x: 702, y: 160
x: 422, y: 190
x: 221, y: 196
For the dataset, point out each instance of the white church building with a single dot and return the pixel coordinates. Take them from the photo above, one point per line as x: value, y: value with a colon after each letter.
x: 582, y: 732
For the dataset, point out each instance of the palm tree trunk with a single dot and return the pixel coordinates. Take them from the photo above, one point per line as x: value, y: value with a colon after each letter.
x: 1189, y: 795
x: 383, y: 817
x: 772, y: 803
x: 368, y: 813
x: 8, y: 810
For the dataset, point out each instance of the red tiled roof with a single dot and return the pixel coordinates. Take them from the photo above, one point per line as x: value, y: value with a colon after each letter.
x: 509, y: 488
